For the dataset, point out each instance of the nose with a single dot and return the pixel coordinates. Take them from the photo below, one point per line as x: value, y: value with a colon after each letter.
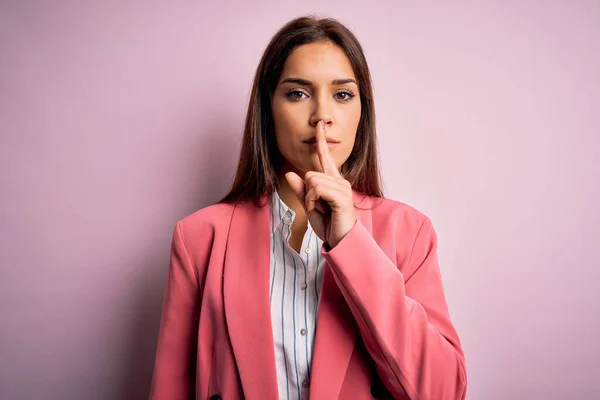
x: 321, y: 111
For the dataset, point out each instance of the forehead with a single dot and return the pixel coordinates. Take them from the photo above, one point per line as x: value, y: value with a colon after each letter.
x: 318, y: 62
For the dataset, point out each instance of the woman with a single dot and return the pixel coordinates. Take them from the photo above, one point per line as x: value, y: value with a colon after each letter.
x: 304, y: 281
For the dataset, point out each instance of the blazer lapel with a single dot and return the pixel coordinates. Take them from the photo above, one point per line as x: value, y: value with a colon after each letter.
x: 336, y: 331
x: 246, y: 298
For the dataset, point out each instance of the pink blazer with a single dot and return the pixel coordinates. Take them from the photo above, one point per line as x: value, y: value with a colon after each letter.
x: 383, y: 326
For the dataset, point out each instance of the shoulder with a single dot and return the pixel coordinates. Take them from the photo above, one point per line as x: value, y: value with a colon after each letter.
x: 394, y: 214
x: 208, y: 220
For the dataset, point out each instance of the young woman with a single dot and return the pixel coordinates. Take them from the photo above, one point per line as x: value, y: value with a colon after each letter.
x: 304, y: 282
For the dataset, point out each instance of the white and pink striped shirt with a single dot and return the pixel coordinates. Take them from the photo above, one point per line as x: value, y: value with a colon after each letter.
x: 296, y: 281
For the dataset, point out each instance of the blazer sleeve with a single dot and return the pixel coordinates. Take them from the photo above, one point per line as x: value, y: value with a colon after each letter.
x: 402, y: 315
x: 174, y: 366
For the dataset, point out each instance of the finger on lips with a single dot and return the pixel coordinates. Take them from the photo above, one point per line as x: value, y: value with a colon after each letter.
x: 320, y: 188
x: 325, y: 157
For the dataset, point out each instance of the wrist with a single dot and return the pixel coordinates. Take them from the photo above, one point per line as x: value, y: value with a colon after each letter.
x: 335, y: 241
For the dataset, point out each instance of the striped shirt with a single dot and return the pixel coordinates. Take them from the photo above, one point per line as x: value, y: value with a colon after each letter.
x: 295, y: 289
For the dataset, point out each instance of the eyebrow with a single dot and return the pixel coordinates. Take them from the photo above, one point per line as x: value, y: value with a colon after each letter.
x: 306, y: 82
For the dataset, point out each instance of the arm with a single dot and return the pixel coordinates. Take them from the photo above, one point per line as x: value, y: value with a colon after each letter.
x: 402, y: 316
x: 174, y: 368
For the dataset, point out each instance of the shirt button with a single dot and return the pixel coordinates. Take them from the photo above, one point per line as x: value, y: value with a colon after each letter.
x: 307, y: 250
x: 303, y: 332
x: 303, y: 286
x: 305, y: 383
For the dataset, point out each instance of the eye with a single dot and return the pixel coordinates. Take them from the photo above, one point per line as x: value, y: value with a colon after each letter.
x: 345, y: 95
x: 295, y: 94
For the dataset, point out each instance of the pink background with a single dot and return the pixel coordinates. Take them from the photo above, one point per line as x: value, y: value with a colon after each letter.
x: 116, y: 120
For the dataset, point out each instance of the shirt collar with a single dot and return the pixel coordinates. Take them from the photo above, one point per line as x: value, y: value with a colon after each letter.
x: 280, y: 212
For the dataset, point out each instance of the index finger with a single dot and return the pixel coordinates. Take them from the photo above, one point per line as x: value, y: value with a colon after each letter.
x: 325, y: 157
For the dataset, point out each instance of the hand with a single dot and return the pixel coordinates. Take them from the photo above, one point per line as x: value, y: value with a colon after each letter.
x: 326, y: 196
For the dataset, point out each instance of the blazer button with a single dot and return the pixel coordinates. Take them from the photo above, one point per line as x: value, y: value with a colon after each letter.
x: 215, y: 397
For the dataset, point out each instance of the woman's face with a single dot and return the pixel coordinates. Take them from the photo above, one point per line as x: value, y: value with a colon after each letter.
x: 317, y: 83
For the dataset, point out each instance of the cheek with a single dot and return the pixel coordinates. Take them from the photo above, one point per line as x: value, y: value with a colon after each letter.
x: 290, y: 116
x: 351, y: 127
x: 348, y: 139
x: 287, y: 122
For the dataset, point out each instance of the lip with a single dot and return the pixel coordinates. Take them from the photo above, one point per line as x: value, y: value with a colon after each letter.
x: 313, y: 143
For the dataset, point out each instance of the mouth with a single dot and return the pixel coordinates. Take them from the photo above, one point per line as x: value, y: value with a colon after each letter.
x: 313, y: 142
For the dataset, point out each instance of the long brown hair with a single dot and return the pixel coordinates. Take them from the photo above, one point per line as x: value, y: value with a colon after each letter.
x: 260, y: 158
